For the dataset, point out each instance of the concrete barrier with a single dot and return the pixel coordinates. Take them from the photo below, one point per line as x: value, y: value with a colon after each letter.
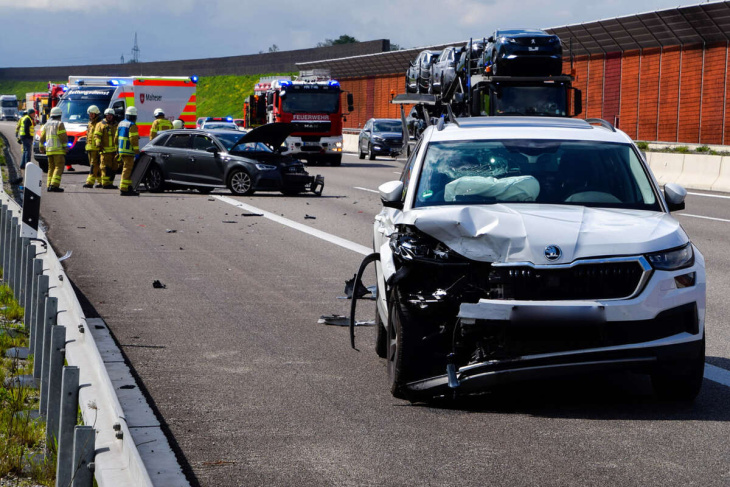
x: 349, y: 143
x: 700, y: 171
x: 666, y: 167
x: 722, y: 183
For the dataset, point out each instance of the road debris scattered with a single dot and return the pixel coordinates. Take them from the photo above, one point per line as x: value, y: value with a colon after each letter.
x: 309, y: 217
x: 339, y: 320
x: 158, y: 285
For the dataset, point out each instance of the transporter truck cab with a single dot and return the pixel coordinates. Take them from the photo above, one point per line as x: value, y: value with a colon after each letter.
x: 175, y: 95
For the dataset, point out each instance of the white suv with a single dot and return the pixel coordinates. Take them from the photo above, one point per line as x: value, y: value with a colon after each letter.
x: 518, y: 248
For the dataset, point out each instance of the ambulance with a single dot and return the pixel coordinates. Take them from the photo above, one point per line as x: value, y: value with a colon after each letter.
x: 175, y: 95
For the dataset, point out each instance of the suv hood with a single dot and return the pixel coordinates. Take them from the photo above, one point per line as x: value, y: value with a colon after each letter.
x: 271, y: 134
x: 520, y: 233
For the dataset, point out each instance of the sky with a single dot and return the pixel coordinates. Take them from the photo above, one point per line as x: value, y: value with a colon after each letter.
x: 74, y: 32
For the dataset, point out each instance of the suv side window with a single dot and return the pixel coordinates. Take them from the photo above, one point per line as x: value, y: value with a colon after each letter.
x: 178, y: 141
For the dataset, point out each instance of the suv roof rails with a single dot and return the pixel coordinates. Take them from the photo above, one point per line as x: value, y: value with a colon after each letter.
x: 602, y: 123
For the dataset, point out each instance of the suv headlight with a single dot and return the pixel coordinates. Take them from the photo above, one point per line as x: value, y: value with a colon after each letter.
x: 674, y: 259
x: 410, y: 244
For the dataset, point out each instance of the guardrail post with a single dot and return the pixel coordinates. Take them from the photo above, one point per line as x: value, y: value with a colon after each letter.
x: 6, y: 244
x: 30, y: 310
x: 28, y: 279
x: 49, y: 321
x: 36, y: 331
x: 55, y: 369
x: 83, y: 456
x: 69, y: 407
x: 13, y: 248
x: 23, y: 269
x: 17, y: 260
x: 3, y: 243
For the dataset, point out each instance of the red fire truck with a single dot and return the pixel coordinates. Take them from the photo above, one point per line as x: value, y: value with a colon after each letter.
x: 312, y: 102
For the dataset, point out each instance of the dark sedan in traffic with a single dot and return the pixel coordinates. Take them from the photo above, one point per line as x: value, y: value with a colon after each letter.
x: 210, y: 159
x: 380, y: 137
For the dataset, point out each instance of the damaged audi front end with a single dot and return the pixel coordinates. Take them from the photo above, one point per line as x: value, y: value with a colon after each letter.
x: 495, y: 272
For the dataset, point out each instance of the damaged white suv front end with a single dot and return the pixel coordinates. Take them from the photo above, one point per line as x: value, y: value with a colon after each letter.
x: 521, y: 248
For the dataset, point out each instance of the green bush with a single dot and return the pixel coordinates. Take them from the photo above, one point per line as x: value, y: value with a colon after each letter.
x: 682, y: 149
x: 702, y: 148
x: 643, y: 145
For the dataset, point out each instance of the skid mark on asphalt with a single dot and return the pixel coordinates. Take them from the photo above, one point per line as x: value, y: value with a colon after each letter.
x: 712, y: 372
x: 347, y: 244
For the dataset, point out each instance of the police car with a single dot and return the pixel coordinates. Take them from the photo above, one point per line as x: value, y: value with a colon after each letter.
x: 218, y: 123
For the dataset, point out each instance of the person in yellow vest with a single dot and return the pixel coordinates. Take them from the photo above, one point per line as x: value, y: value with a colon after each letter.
x: 25, y: 133
x: 54, y: 142
x: 160, y: 124
x: 92, y: 150
x: 104, y: 135
x: 127, y: 142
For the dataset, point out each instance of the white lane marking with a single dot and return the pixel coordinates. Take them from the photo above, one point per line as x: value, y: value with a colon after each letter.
x: 355, y: 247
x: 710, y: 195
x: 717, y: 374
x: 397, y: 172
x: 705, y: 217
x: 366, y: 189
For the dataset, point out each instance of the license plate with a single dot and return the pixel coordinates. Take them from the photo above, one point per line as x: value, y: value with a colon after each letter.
x: 310, y: 144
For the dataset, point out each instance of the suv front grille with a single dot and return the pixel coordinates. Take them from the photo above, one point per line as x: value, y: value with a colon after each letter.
x: 604, y: 280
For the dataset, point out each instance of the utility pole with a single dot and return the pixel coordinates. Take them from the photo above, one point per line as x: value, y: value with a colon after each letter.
x: 122, y: 61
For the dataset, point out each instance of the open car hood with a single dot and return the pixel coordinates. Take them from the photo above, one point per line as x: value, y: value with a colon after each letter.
x: 271, y: 134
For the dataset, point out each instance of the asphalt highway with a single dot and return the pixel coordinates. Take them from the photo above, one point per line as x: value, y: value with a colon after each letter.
x: 254, y: 391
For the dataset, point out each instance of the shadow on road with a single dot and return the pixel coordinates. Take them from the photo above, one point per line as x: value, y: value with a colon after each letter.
x: 622, y: 396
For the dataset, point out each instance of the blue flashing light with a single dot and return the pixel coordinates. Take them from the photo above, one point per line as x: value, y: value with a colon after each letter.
x: 64, y: 88
x: 229, y: 119
x: 194, y: 79
x: 113, y: 82
x: 334, y: 82
x: 70, y: 144
x: 285, y: 83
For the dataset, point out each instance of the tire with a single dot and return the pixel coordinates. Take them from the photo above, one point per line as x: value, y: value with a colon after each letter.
x: 402, y: 352
x: 381, y: 338
x: 371, y: 155
x: 154, y: 180
x: 240, y: 183
x: 680, y: 380
x: 205, y: 190
x: 360, y: 153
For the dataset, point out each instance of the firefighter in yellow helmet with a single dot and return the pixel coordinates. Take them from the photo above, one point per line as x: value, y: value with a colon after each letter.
x: 92, y: 150
x: 160, y: 124
x: 127, y: 142
x: 54, y: 142
x: 104, y: 135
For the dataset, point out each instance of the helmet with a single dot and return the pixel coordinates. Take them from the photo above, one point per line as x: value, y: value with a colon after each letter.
x: 177, y: 124
x: 131, y: 111
x: 30, y: 111
x: 56, y: 112
x: 93, y: 109
x: 158, y: 112
x: 109, y: 111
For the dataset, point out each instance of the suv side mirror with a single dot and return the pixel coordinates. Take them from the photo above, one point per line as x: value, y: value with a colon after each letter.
x: 391, y: 194
x: 212, y: 149
x: 674, y: 195
x: 490, y: 39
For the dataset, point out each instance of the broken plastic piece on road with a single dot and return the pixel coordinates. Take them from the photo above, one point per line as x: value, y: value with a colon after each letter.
x: 339, y: 320
x: 67, y: 255
x: 361, y: 289
x: 230, y: 221
x: 170, y: 231
x: 310, y: 217
x: 158, y: 285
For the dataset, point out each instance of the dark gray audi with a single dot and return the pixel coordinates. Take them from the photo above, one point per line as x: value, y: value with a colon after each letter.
x: 242, y: 162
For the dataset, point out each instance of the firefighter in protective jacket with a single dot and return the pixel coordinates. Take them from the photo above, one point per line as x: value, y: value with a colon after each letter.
x: 104, y: 136
x: 160, y: 124
x: 92, y: 150
x: 54, y: 142
x: 127, y: 142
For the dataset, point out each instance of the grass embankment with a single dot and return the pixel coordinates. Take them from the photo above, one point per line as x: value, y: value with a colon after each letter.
x: 20, y: 88
x: 22, y: 438
x: 222, y: 96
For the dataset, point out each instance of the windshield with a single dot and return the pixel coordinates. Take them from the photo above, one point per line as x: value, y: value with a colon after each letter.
x: 543, y: 171
x: 530, y: 100
x: 9, y: 104
x: 388, y: 126
x: 73, y: 108
x: 212, y: 126
x: 311, y: 102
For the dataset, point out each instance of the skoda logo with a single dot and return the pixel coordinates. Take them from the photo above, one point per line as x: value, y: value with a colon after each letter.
x: 553, y: 252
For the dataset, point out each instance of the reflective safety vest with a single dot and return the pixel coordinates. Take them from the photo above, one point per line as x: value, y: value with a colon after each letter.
x: 21, y: 128
x: 159, y: 125
x: 54, y: 137
x: 127, y: 138
x: 104, y: 135
x: 91, y: 144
